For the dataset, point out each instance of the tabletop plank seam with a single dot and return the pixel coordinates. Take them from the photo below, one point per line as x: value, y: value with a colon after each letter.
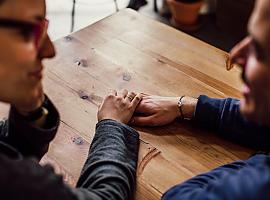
x: 193, y: 73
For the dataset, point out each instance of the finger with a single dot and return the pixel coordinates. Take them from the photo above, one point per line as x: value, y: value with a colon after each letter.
x: 143, y: 121
x: 229, y: 65
x: 144, y: 94
x: 123, y: 93
x: 144, y: 109
x: 237, y: 49
x: 136, y: 100
x: 236, y: 54
x: 152, y: 97
x: 113, y: 92
x: 130, y: 96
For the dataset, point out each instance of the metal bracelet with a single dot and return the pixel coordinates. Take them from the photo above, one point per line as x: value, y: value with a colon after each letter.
x: 180, y: 104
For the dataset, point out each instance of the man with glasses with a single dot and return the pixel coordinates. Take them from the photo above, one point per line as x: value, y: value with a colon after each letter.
x: 246, y: 122
x: 109, y: 172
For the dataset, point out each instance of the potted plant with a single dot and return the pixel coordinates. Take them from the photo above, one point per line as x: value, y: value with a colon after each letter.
x: 185, y: 13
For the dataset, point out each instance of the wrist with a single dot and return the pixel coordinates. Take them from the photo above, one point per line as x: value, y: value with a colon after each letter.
x: 187, y: 106
x: 175, y: 107
x: 110, y: 117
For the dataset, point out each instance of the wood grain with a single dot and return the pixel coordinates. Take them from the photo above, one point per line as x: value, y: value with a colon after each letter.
x: 128, y: 50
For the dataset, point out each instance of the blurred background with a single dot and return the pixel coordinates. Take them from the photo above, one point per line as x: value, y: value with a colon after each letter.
x: 221, y: 23
x: 86, y: 12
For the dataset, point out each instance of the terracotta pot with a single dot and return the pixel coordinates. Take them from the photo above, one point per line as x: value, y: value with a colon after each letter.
x: 185, y: 13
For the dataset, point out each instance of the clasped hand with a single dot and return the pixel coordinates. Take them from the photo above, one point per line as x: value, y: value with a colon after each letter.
x: 119, y: 106
x: 138, y: 109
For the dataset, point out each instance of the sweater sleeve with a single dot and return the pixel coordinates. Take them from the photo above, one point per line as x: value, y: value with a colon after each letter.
x: 108, y: 174
x: 223, y: 117
x: 110, y: 170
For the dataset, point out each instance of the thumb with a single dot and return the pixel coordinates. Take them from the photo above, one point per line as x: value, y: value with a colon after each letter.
x: 136, y: 100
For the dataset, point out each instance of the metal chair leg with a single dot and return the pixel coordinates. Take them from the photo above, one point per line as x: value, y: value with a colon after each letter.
x: 155, y: 6
x: 116, y: 5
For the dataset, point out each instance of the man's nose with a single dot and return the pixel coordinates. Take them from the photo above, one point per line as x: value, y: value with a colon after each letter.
x: 46, y: 49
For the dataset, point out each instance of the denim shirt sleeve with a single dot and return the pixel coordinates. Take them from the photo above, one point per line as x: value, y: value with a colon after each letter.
x: 223, y: 116
x: 110, y: 169
x: 241, y: 180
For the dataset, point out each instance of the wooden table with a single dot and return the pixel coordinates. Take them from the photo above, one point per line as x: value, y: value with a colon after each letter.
x: 127, y: 50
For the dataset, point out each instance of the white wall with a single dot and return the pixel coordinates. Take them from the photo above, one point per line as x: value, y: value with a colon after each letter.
x: 87, y: 12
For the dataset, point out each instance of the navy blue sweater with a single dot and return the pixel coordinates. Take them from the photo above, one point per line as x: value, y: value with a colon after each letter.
x: 241, y: 180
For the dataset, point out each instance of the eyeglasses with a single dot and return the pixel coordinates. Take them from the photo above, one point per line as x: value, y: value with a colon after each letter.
x: 37, y: 31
